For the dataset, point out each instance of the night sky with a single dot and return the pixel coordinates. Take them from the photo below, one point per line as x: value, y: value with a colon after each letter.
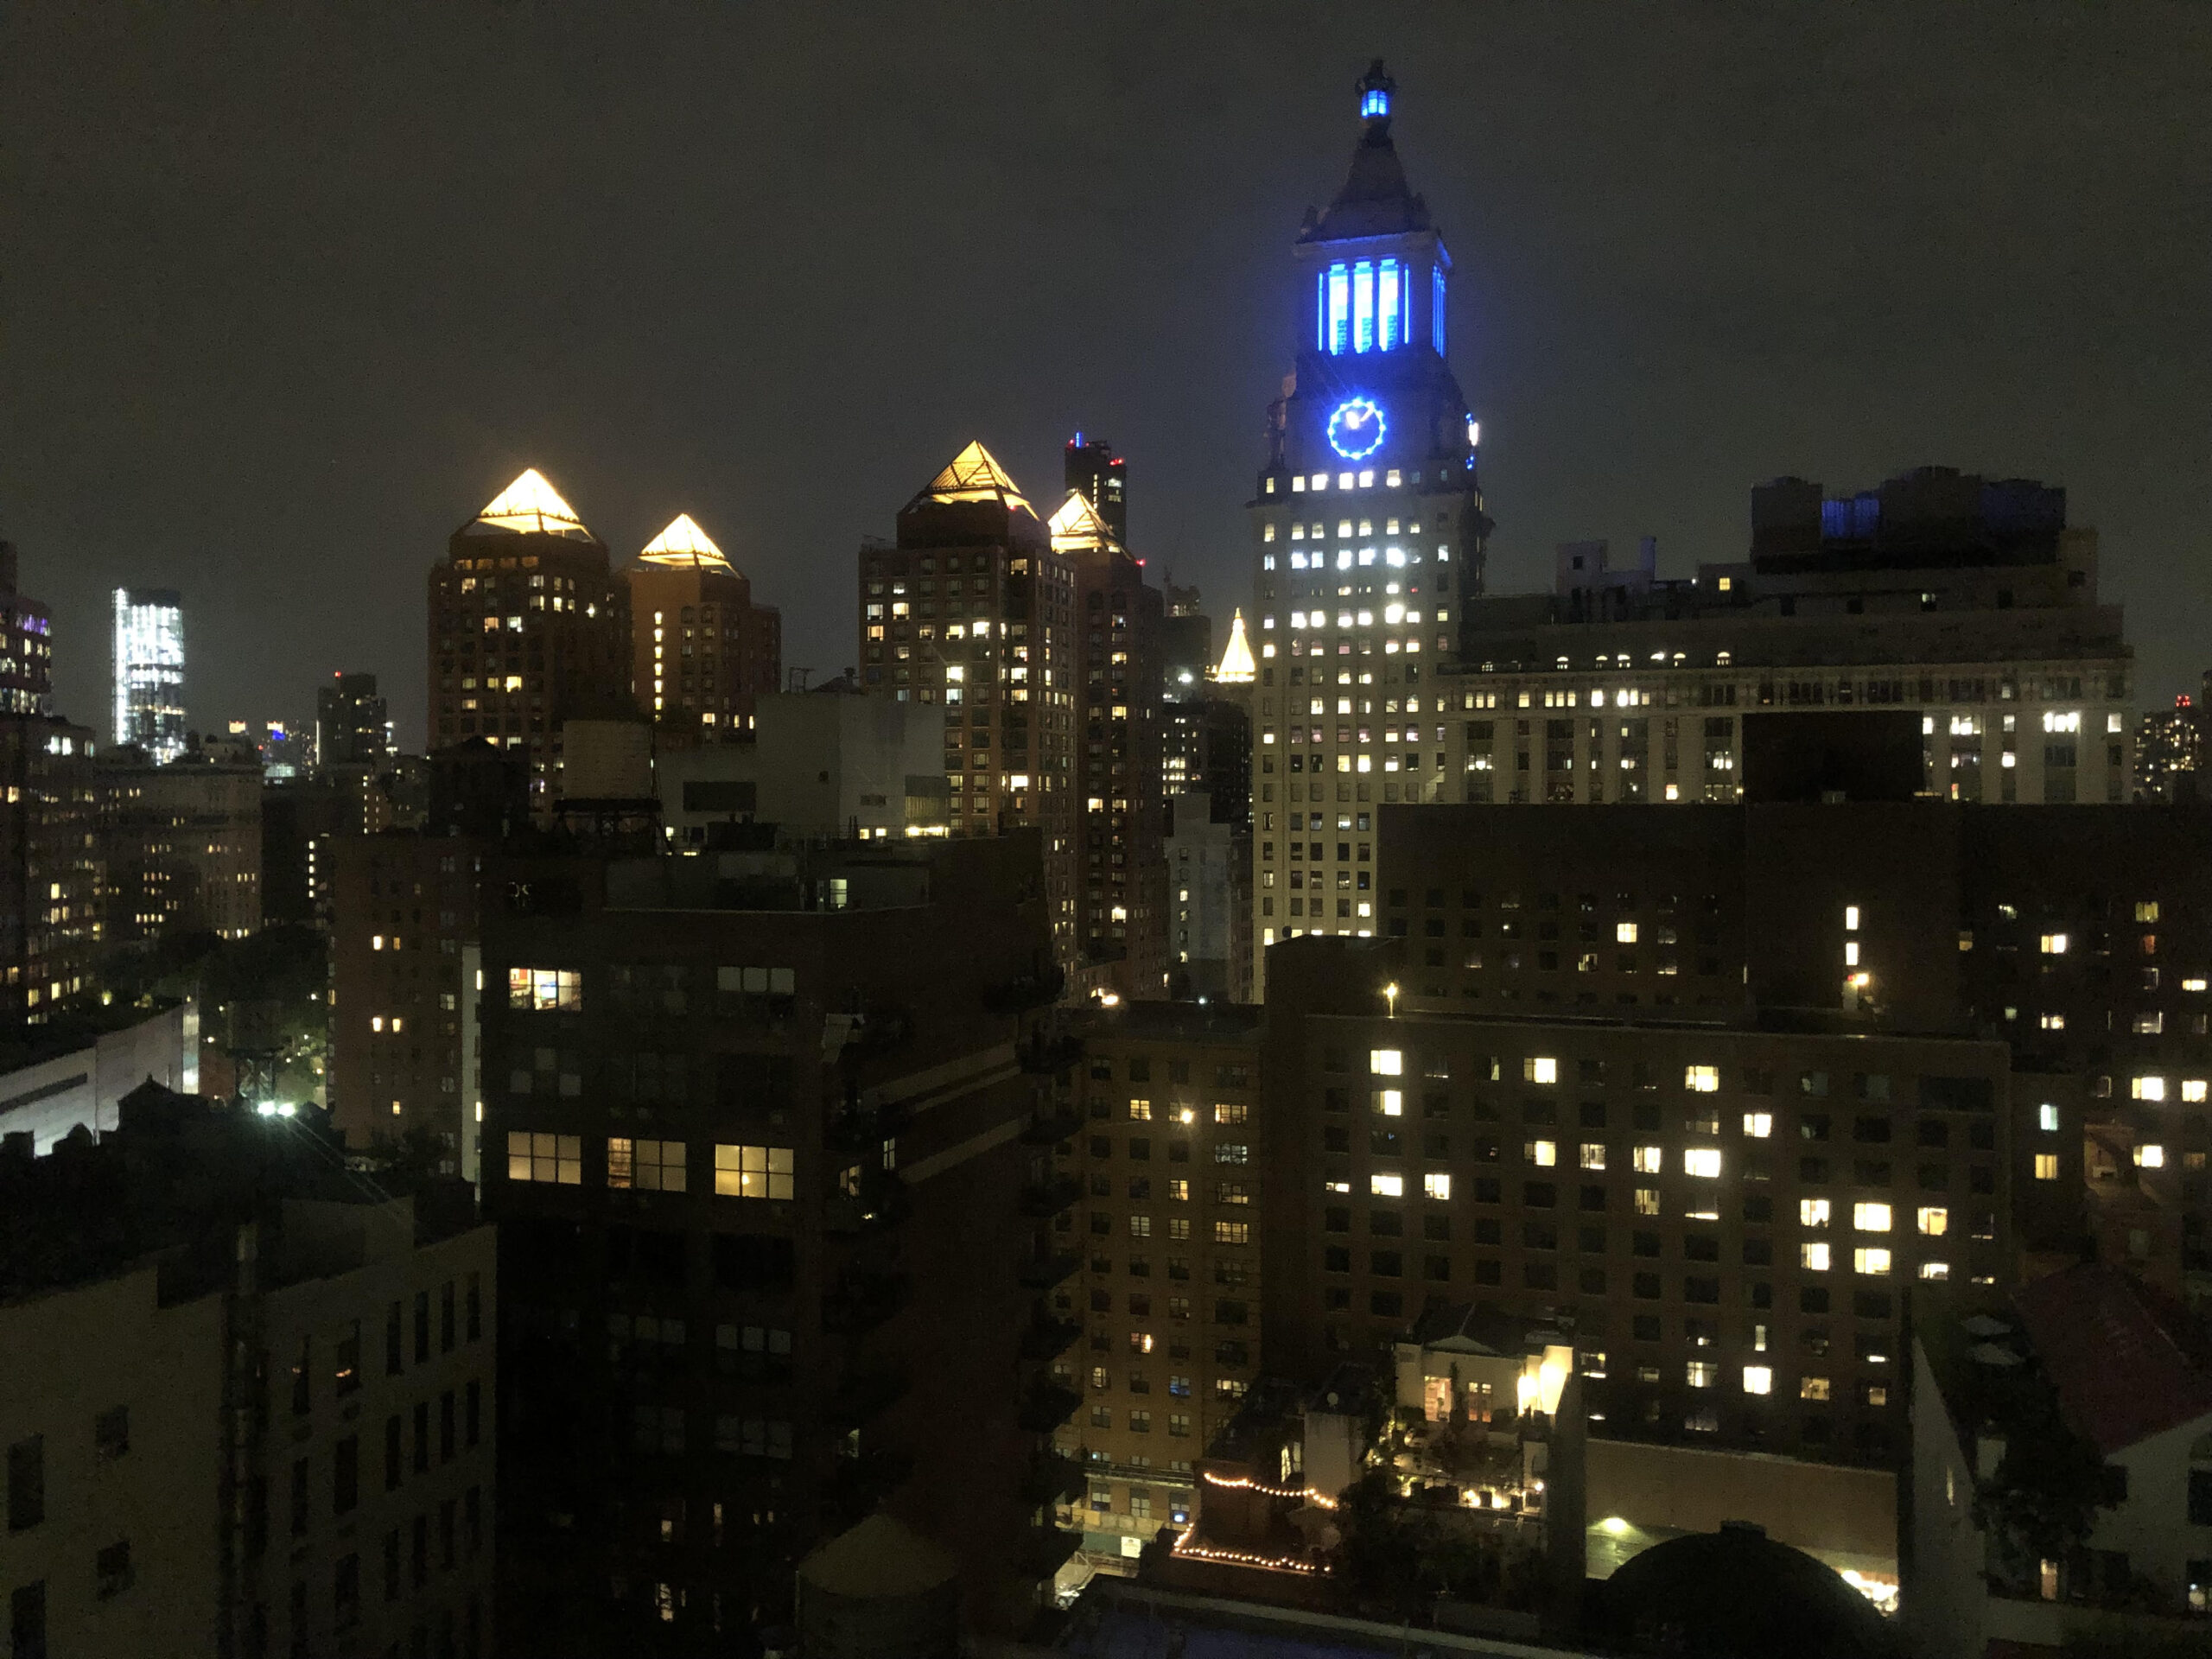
x: 287, y: 293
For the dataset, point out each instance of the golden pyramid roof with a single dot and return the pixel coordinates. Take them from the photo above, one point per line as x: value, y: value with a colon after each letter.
x: 975, y: 475
x: 685, y: 545
x: 532, y: 506
x: 1237, y: 667
x: 1076, y: 525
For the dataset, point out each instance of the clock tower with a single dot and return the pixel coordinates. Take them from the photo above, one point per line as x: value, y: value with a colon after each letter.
x: 1368, y: 533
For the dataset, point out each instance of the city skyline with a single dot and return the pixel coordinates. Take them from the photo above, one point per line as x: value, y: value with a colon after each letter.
x: 1630, y: 378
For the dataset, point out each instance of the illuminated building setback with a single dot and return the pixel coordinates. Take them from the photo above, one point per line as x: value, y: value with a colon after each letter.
x: 150, y: 670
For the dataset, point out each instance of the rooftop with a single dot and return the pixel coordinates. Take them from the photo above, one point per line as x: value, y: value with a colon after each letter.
x: 530, y: 506
x: 683, y: 545
x: 1077, y: 526
x: 1236, y: 666
x: 975, y: 475
x: 2127, y: 1363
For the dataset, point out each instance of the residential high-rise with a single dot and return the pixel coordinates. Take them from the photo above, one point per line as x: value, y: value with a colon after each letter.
x: 972, y: 609
x: 1368, y: 526
x: 150, y: 670
x: 703, y: 653
x: 351, y: 726
x: 528, y: 628
x: 1092, y: 470
x: 1121, y: 898
x: 776, y: 1199
x: 1186, y: 653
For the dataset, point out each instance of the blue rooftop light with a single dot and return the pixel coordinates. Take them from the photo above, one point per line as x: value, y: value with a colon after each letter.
x: 1374, y: 101
x: 1375, y: 87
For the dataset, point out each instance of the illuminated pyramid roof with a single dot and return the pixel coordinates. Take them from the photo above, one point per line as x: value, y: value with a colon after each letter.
x: 1237, y: 667
x: 531, y: 506
x: 975, y: 475
x: 683, y: 545
x: 1076, y: 525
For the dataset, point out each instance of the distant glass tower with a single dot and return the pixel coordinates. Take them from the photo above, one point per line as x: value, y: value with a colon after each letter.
x: 150, y: 670
x: 351, y: 727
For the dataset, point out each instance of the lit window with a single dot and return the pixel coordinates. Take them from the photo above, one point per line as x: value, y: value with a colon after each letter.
x: 1391, y: 1102
x: 1140, y: 1111
x: 545, y: 989
x: 1812, y: 1212
x: 753, y: 1171
x: 2054, y: 944
x: 1701, y: 1160
x: 1540, y: 1069
x: 1648, y: 1160
x: 1934, y: 1221
x: 1545, y: 1153
x: 1870, y: 1217
x: 1647, y: 1200
x: 2152, y: 1156
x: 1436, y: 1186
x: 1233, y: 1232
x: 2192, y: 1088
x: 1851, y: 953
x: 2147, y: 1088
x: 1870, y: 1260
x: 1935, y: 1270
x: 1814, y: 1258
x: 1701, y: 1079
x: 1851, y: 918
x: 2046, y: 1166
x: 1758, y: 1379
x: 555, y: 1158
x: 1701, y: 1373
x: 1593, y: 1155
x: 647, y: 1165
x: 1758, y: 1125
x: 1813, y: 1387
x: 1230, y: 1112
x: 1387, y: 1186
x: 1386, y: 1062
x: 2146, y: 910
x: 1624, y: 932
x: 2047, y: 1118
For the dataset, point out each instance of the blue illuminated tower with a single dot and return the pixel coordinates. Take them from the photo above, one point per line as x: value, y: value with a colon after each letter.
x: 1368, y: 534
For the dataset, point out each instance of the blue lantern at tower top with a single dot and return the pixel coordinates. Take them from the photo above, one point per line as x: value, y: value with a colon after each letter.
x: 1394, y: 297
x: 1375, y: 89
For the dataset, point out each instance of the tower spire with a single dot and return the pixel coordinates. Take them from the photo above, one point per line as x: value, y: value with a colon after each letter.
x: 1376, y: 90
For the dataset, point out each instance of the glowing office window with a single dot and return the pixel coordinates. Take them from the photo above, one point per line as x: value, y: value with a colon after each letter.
x: 1870, y: 1259
x: 1814, y: 1258
x: 646, y: 1166
x: 1363, y: 306
x: 1813, y: 1212
x: 1870, y: 1217
x: 1935, y: 1270
x: 1851, y: 918
x: 2047, y: 1118
x: 1436, y: 1186
x: 1701, y: 1373
x: 1387, y: 1062
x: 555, y: 1158
x: 1542, y: 1153
x: 1391, y: 1102
x: 2046, y: 1166
x: 742, y: 1172
x: 2054, y: 944
x: 1647, y: 1160
x: 1390, y: 301
x: 2150, y: 1156
x: 1701, y: 1160
x: 1758, y: 1379
x: 1336, y: 336
x: 1813, y: 1387
x: 1386, y: 1186
x: 1701, y: 1079
x: 1758, y: 1125
x: 2192, y: 1088
x: 1624, y: 932
x: 1647, y: 1200
x: 1933, y: 1220
x: 2147, y: 1088
x: 1540, y: 1068
x: 545, y: 989
x: 1593, y: 1155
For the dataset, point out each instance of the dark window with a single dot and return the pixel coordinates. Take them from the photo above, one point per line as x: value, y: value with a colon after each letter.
x: 1593, y: 1198
x: 1813, y: 1299
x: 1935, y: 1132
x: 418, y: 1550
x: 421, y: 1326
x: 345, y: 1362
x: 1701, y: 1247
x: 391, y: 1565
x: 346, y: 1475
x: 111, y: 1569
x: 1386, y: 1223
x: 392, y: 1454
x: 1646, y: 1286
x: 392, y: 1341
x: 1646, y: 1327
x: 2200, y: 1497
x: 473, y: 1414
x: 421, y: 1437
x: 476, y: 1307
x: 26, y: 1483
x: 1871, y: 1131
x: 346, y: 1592
x: 302, y: 1378
x: 446, y: 1331
x: 1814, y: 1126
x: 1436, y: 1228
x: 1758, y: 1252
x: 1387, y: 1303
x: 299, y: 1497
x: 1539, y: 1195
x: 111, y: 1433
x: 27, y: 1621
x: 1701, y: 1290
x: 1592, y: 1281
x: 1336, y: 1219
x: 1871, y: 1303
x: 1388, y: 1264
x: 1590, y: 1239
x: 1643, y: 1243
x: 1436, y: 1267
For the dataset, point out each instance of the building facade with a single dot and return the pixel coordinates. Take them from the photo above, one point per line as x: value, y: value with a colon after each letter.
x: 1168, y: 1293
x: 26, y: 646
x: 776, y: 1191
x: 53, y: 898
x: 973, y: 610
x: 1122, y: 899
x: 702, y: 652
x: 1209, y: 940
x: 352, y: 725
x: 1092, y: 469
x: 528, y: 628
x: 180, y: 847
x: 148, y: 669
x: 2169, y: 753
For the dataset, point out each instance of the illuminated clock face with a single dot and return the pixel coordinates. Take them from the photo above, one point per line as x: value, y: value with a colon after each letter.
x: 1355, y: 429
